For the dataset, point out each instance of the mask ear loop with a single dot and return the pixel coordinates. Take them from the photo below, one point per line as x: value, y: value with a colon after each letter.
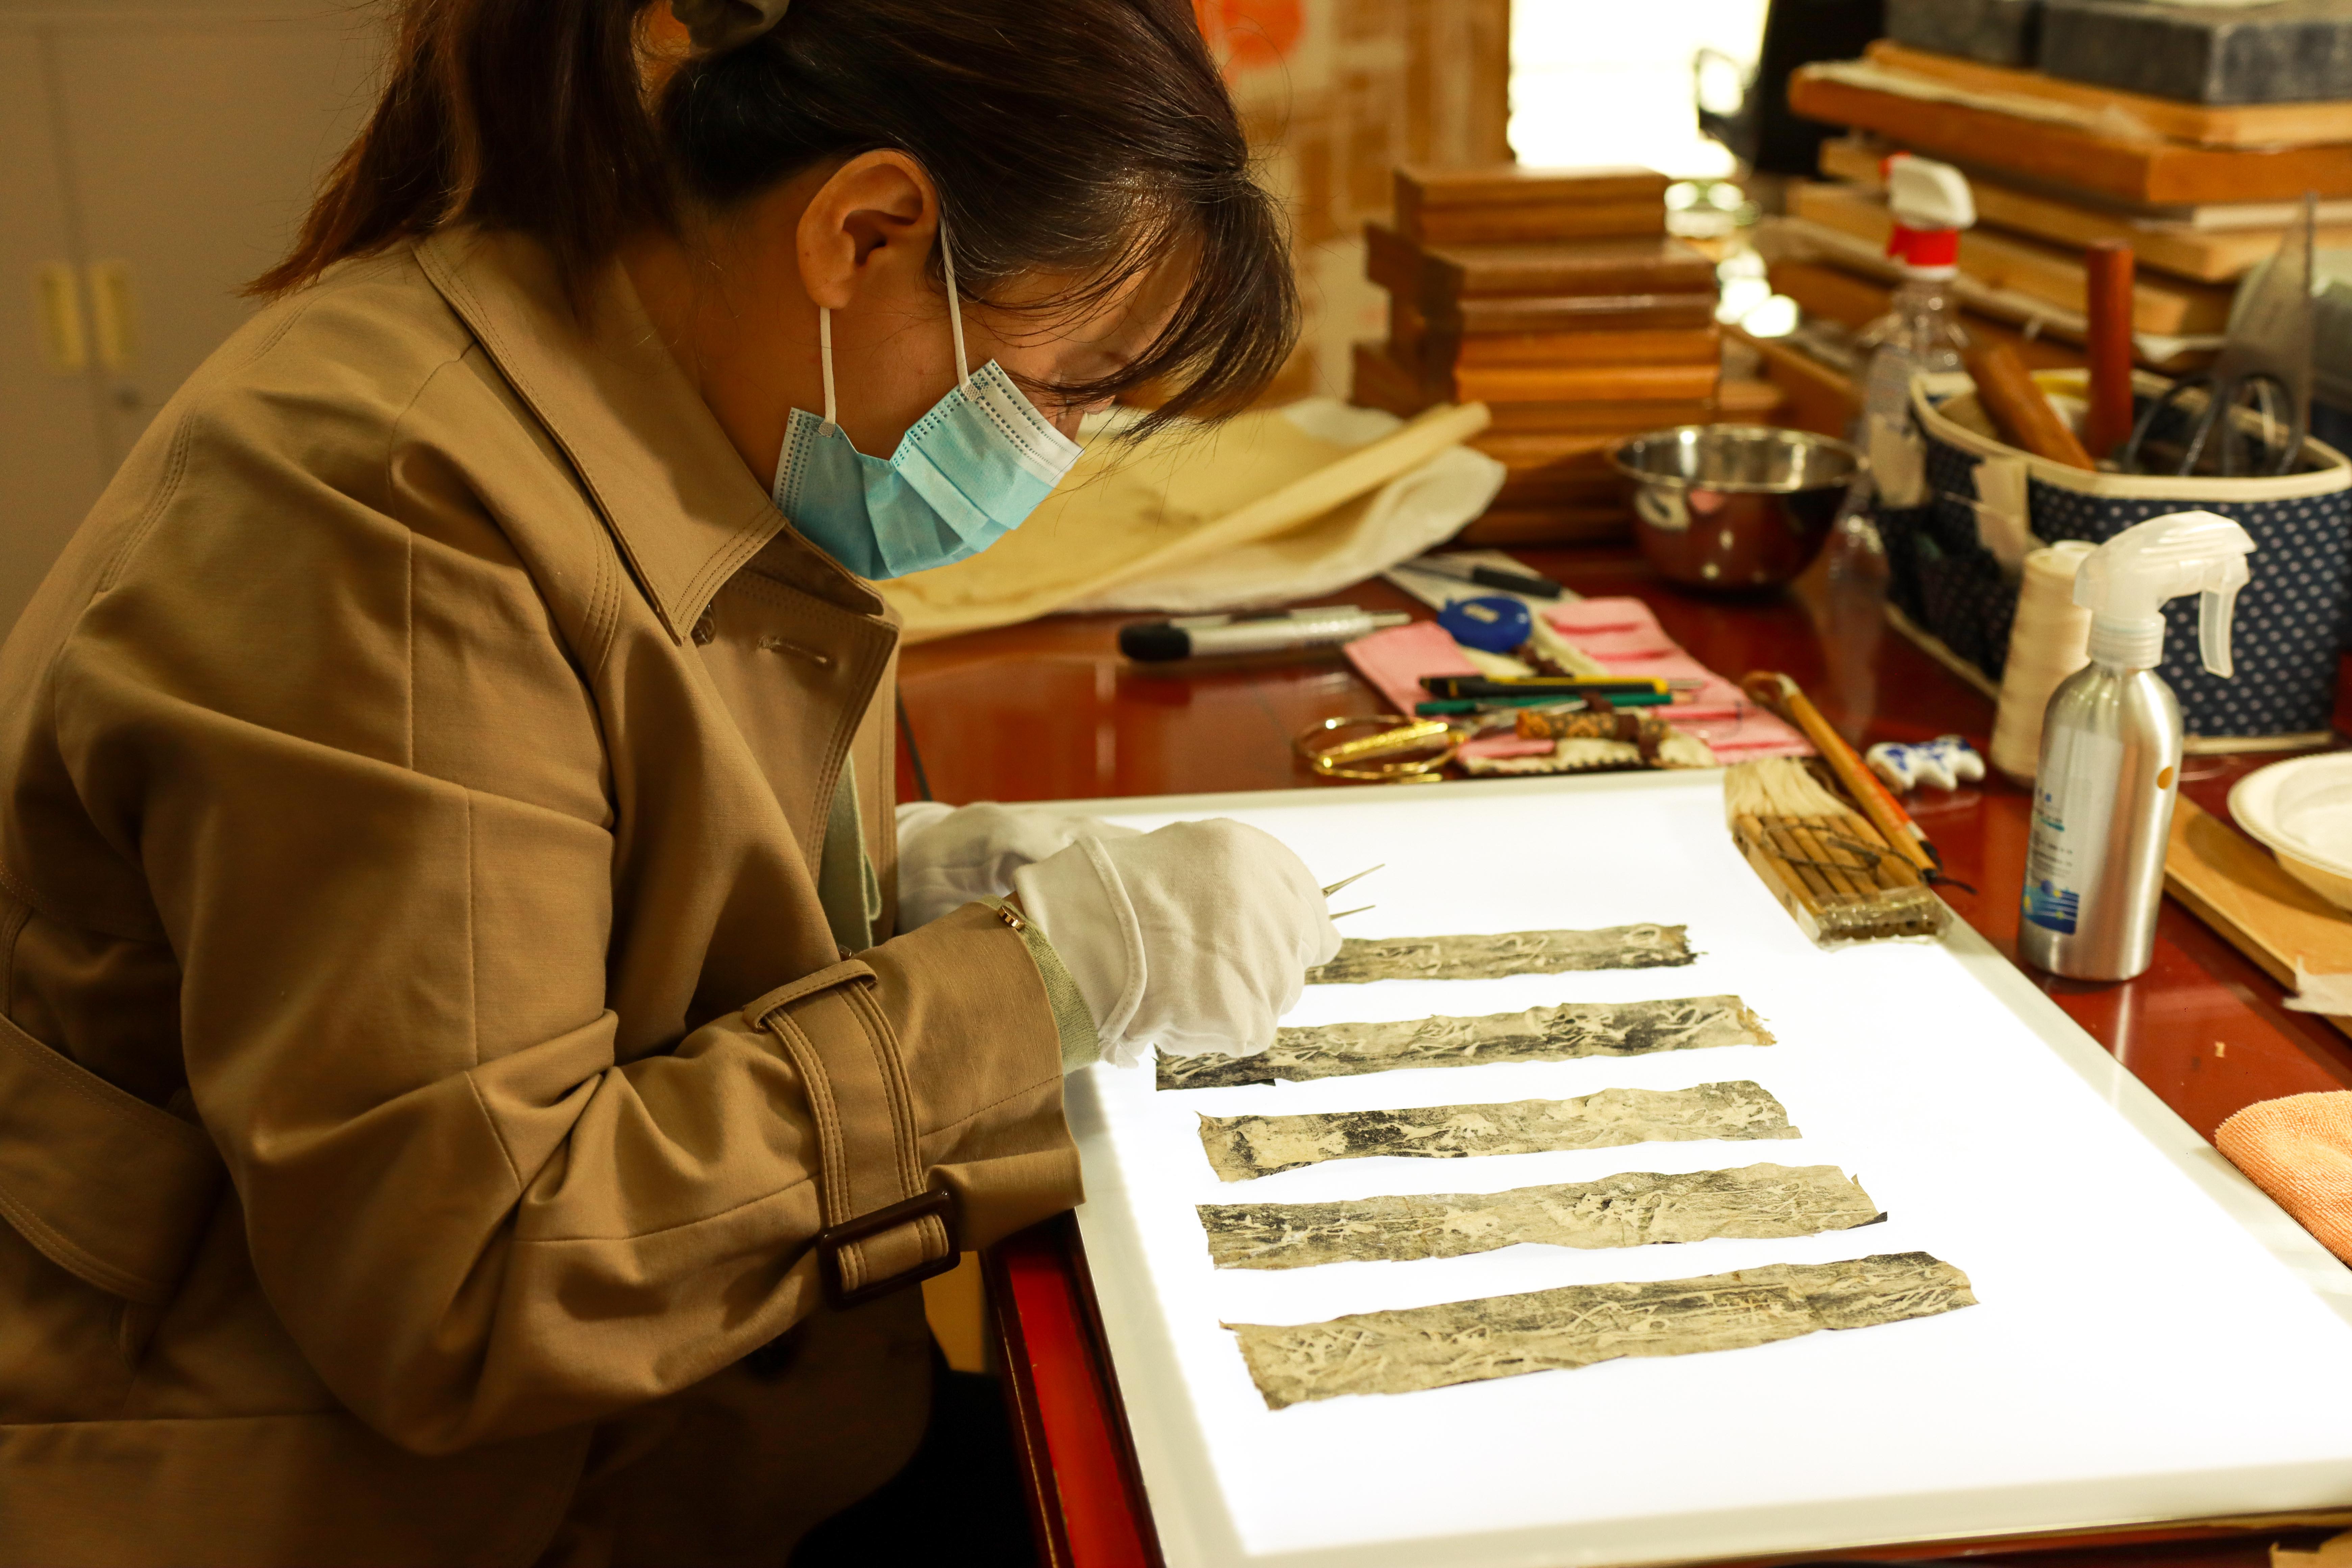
x: 824, y: 359
x: 955, y: 305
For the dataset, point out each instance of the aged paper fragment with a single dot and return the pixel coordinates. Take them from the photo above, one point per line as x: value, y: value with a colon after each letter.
x: 1244, y: 1146
x: 1632, y: 1209
x: 1506, y: 953
x: 1578, y: 1325
x: 1537, y: 1034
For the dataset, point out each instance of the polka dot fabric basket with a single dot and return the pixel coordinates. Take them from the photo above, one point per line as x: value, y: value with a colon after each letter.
x: 1953, y: 564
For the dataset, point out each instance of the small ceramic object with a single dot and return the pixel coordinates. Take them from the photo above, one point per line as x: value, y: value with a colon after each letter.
x: 1947, y: 761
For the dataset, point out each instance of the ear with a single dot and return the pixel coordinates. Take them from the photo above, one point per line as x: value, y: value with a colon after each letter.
x: 867, y: 228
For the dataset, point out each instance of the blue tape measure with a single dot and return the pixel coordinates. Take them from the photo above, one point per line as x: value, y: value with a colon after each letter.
x: 1490, y: 623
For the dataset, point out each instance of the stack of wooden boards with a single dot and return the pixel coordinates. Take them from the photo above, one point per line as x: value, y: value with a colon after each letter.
x: 2202, y: 193
x: 1556, y: 298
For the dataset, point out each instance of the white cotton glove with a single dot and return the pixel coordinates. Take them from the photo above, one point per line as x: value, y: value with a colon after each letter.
x: 949, y: 856
x: 1195, y: 938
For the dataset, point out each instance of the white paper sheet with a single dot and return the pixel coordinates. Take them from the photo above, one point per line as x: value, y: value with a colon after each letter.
x: 2153, y: 1332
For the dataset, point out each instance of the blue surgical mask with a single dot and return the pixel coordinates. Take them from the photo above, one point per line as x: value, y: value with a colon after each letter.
x: 967, y: 474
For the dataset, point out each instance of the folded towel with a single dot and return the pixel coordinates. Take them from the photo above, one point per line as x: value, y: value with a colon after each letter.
x: 2299, y: 1150
x: 2336, y: 1552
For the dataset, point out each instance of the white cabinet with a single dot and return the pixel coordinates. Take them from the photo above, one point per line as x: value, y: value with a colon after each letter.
x: 153, y: 159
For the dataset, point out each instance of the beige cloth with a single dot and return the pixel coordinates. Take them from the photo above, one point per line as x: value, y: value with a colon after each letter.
x: 426, y: 1062
x: 1261, y: 499
x: 2299, y: 1150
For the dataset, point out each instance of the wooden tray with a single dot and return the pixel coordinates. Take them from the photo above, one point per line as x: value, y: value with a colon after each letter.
x: 1999, y: 260
x: 1433, y: 277
x: 2250, y: 125
x: 2164, y: 244
x: 2154, y: 172
x: 2233, y: 885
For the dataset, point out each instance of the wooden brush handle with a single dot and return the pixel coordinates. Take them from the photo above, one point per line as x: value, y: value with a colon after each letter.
x: 2108, y: 267
x: 2017, y: 408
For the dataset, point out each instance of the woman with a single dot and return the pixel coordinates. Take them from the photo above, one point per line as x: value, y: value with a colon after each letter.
x: 442, y: 1118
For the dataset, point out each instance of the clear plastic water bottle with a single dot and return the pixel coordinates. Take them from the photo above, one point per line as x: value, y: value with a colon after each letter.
x: 1920, y: 332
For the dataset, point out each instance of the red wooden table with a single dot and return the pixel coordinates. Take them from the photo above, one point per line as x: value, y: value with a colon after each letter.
x: 1050, y: 711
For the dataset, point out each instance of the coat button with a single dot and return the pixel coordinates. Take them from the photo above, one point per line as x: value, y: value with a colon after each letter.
x: 705, y: 626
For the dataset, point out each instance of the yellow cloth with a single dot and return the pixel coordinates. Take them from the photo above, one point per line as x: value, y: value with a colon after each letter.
x: 1128, y: 513
x: 2299, y: 1150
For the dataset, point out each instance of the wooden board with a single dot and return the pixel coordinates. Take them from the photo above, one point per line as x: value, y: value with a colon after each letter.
x: 1612, y: 384
x: 1511, y: 204
x: 2212, y: 255
x: 1686, y: 311
x: 1785, y: 240
x: 1747, y: 401
x: 1436, y: 276
x: 1513, y: 184
x: 2152, y: 171
x: 2244, y: 126
x: 1597, y: 419
x: 1529, y: 350
x: 2233, y: 885
x: 1415, y: 344
x: 1536, y: 223
x: 2002, y: 261
x: 1379, y: 381
x: 1834, y: 294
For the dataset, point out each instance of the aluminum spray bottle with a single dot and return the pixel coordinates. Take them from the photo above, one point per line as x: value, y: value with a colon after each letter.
x: 2110, y: 770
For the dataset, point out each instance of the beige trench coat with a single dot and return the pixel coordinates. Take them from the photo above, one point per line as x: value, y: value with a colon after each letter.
x: 426, y: 1067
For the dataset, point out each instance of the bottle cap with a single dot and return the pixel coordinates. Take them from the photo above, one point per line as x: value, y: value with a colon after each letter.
x: 1931, y: 203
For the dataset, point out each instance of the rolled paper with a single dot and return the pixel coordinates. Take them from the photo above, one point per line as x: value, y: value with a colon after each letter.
x: 2049, y: 640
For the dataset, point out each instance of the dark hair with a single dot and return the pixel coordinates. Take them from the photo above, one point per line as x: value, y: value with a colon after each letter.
x: 1088, y: 138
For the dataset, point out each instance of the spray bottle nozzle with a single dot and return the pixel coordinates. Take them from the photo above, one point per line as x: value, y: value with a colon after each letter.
x: 2126, y: 582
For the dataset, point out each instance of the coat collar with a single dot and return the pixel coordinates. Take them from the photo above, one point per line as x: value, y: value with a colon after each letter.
x: 686, y: 512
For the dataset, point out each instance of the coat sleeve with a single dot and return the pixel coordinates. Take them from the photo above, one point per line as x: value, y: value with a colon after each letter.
x: 365, y: 789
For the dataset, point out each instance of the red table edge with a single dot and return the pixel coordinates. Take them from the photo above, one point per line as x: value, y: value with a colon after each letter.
x: 1086, y: 1496
x: 1088, y: 1507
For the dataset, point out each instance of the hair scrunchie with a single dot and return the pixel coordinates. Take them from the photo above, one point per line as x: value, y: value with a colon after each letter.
x: 720, y: 25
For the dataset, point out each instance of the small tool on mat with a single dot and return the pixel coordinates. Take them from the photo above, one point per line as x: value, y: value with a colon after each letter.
x: 1784, y: 698
x: 1829, y: 867
x: 1343, y: 881
x: 1352, y: 759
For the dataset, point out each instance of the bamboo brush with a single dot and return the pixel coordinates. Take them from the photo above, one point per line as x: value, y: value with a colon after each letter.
x: 1821, y: 858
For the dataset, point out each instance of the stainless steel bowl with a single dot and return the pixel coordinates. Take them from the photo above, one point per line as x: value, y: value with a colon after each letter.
x: 1735, y: 506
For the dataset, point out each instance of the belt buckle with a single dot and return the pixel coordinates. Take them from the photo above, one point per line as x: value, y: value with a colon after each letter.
x: 831, y: 1240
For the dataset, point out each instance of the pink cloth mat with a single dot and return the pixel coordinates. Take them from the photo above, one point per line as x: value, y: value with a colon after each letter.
x: 1623, y: 638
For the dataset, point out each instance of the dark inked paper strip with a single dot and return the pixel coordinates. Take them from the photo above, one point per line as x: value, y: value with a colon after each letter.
x: 1635, y: 1208
x: 1487, y: 957
x: 1537, y: 1034
x: 1579, y: 1325
x: 1244, y: 1146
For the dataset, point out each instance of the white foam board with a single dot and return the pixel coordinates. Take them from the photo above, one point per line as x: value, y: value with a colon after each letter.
x: 2153, y: 1337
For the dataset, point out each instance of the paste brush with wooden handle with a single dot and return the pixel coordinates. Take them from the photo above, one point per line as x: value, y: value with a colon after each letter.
x: 1829, y: 867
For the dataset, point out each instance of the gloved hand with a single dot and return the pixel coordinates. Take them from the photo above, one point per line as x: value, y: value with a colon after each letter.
x: 949, y: 856
x: 1196, y: 937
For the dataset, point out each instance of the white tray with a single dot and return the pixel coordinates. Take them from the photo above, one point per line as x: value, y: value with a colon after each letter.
x: 2155, y: 1342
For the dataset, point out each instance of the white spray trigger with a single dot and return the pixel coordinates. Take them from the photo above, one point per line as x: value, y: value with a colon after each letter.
x: 2216, y: 607
x: 2125, y: 582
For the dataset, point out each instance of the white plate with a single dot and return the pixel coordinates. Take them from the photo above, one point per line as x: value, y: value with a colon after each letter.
x: 2302, y: 810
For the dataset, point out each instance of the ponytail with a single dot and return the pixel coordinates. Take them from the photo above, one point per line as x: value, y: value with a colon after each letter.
x: 1087, y: 139
x: 524, y: 114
